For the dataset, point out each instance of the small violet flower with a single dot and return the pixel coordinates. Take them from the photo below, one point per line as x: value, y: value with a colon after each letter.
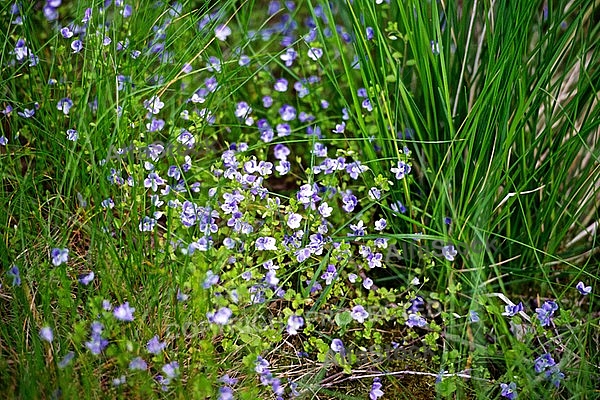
x: 124, y: 312
x: 294, y: 323
x: 46, y: 334
x: 376, y: 391
x: 509, y: 390
x: 59, y: 256
x: 359, y: 313
x: 584, y: 290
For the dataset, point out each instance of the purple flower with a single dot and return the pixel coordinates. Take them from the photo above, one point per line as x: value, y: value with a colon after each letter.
x: 380, y: 224
x: 154, y: 346
x: 155, y: 125
x: 415, y: 320
x: 401, y: 170
x: 509, y: 390
x: 376, y: 391
x: 3, y: 140
x: 267, y: 101
x: 221, y: 317
x: 314, y: 53
x: 330, y: 274
x: 210, y: 279
x: 350, y: 201
x: 473, y: 316
x: 77, y: 46
x: 27, y: 113
x: 153, y: 105
x: 338, y: 346
x: 66, y: 32
x: 294, y: 220
x: 359, y: 313
x: 512, y: 310
x: 555, y: 376
x: 66, y: 360
x: 287, y: 112
x: 147, y: 224
x: 222, y: 32
x: 368, y: 283
x: 225, y: 393
x: 46, y: 334
x: 546, y: 312
x: 449, y: 252
x: 127, y: 11
x: 86, y: 279
x: 302, y: 254
x: 65, y: 105
x: 171, y: 370
x: 242, y: 109
x: 584, y: 290
x: 97, y: 343
x: 266, y: 243
x: 72, y: 135
x: 294, y: 323
x: 13, y: 272
x: 59, y: 256
x: 138, y: 363
x: 288, y: 57
x: 153, y: 181
x: 124, y: 312
x: 281, y: 85
x: 543, y: 362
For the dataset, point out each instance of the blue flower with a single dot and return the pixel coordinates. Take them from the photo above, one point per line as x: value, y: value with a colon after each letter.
x: 46, y: 334
x: 546, y: 312
x: 287, y: 113
x: 13, y: 272
x: 294, y: 323
x: 330, y: 274
x: 97, y: 343
x: 376, y: 391
x: 86, y: 279
x: 65, y: 105
x: 370, y: 33
x: 473, y: 316
x: 59, y: 256
x: 77, y: 46
x: 338, y: 346
x: 138, y: 363
x: 154, y: 346
x: 72, y: 135
x: 543, y: 362
x: 266, y: 243
x: 171, y: 370
x: 66, y: 360
x: 124, y: 312
x: 449, y: 252
x: 314, y: 53
x: 555, y: 376
x: 359, y: 313
x: 415, y: 320
x: 401, y: 170
x: 153, y: 105
x: 509, y: 390
x: 147, y: 224
x: 281, y: 85
x: 512, y: 310
x: 222, y: 32
x: 584, y: 290
x: 221, y: 317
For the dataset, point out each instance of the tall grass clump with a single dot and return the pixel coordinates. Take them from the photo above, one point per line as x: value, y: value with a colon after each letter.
x: 311, y: 199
